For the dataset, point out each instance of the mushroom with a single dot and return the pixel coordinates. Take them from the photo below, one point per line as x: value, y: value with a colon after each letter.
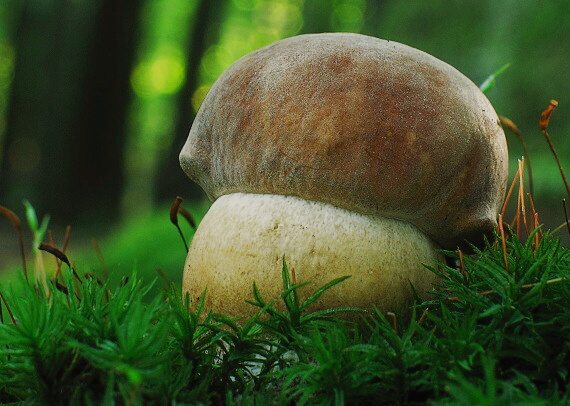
x: 346, y: 155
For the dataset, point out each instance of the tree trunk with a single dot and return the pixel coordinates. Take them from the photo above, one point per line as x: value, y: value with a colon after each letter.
x: 171, y: 180
x: 99, y: 133
x: 316, y: 16
x: 65, y: 126
x: 27, y: 117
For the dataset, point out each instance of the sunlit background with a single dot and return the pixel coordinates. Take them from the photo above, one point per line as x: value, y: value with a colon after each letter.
x: 97, y: 97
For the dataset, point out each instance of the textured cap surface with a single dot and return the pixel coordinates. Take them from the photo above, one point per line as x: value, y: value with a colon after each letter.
x: 365, y: 124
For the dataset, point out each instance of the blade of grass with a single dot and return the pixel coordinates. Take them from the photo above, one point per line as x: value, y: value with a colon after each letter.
x: 318, y: 293
x: 491, y: 80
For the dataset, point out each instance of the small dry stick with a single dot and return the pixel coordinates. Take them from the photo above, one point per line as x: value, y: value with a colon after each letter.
x: 421, y: 320
x: 293, y: 276
x: 521, y: 195
x: 525, y: 286
x: 560, y: 227
x: 163, y: 276
x: 517, y: 218
x: 503, y: 242
x: 536, y: 223
x: 188, y: 217
x: 64, y: 248
x: 484, y: 293
x: 66, y: 239
x: 394, y: 321
x: 8, y: 308
x: 424, y: 315
x: 57, y: 261
x: 15, y: 220
x: 566, y: 215
x: 101, y: 259
x: 548, y: 282
x: 61, y: 287
x: 508, y: 123
x: 538, y: 235
x: 462, y: 264
x: 544, y: 120
x: 174, y: 210
x: 61, y: 256
x: 55, y: 252
x: 511, y: 188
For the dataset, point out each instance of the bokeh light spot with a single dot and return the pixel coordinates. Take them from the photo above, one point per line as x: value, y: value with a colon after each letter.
x: 210, y: 61
x: 199, y: 96
x: 279, y: 18
x: 6, y: 65
x: 348, y: 15
x: 163, y: 74
x: 246, y: 5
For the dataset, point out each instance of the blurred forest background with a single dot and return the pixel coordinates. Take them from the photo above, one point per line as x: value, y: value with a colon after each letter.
x: 97, y: 96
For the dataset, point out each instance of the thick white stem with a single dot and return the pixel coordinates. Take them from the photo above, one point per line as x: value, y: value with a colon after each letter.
x: 244, y: 237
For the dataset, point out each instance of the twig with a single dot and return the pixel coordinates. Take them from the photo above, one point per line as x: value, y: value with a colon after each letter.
x: 548, y: 282
x: 66, y: 238
x: 101, y: 259
x: 186, y: 214
x: 462, y: 264
x: 8, y: 308
x: 424, y: 315
x: 525, y: 286
x: 58, y: 254
x: 163, y: 276
x: 15, y: 220
x: 174, y: 210
x: 57, y: 260
x: 560, y: 227
x: 394, y: 321
x: 544, y: 120
x: 503, y: 242
x: 522, y: 195
x: 566, y: 215
x: 537, y: 234
x: 511, y: 188
x: 293, y: 276
x: 55, y: 252
x: 508, y: 123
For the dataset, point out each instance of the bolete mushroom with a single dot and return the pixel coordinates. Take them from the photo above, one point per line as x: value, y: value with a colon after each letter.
x: 348, y: 155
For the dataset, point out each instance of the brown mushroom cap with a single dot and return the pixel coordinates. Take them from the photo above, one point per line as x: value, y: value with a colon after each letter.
x: 368, y: 125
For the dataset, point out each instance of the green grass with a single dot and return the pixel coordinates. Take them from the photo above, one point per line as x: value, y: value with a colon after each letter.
x: 144, y: 242
x: 489, y: 336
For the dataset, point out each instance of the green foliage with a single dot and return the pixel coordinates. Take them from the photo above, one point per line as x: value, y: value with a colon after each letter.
x: 491, y: 80
x: 492, y: 334
x: 295, y: 320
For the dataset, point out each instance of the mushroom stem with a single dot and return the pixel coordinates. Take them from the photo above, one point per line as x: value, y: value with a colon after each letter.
x: 243, y: 238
